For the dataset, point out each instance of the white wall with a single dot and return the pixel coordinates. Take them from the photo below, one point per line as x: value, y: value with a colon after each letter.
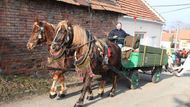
x: 165, y: 44
x: 184, y: 44
x: 153, y: 30
x: 188, y: 45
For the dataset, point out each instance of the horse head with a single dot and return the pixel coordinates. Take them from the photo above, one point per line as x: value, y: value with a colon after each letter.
x: 63, y: 36
x: 39, y: 34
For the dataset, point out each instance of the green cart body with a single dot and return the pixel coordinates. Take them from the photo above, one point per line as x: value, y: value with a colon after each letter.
x: 146, y: 57
x: 148, y: 60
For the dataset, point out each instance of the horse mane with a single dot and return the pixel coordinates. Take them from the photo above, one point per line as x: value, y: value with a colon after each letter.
x: 50, y: 33
x: 62, y: 23
x: 53, y: 26
x: 80, y: 36
x: 79, y: 33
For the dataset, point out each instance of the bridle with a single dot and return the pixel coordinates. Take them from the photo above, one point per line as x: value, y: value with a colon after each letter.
x: 41, y: 31
x: 67, y: 40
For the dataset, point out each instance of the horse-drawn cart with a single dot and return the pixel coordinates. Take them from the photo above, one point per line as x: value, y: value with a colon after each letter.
x: 141, y: 59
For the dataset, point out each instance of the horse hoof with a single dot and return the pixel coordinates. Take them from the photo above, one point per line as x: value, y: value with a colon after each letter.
x: 90, y: 98
x: 101, y: 94
x: 52, y: 96
x: 111, y: 95
x: 78, y: 105
x: 61, y: 95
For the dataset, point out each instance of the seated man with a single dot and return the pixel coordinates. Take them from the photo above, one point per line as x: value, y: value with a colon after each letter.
x: 118, y: 35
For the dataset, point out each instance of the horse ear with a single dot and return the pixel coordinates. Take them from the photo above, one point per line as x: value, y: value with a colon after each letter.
x: 36, y: 19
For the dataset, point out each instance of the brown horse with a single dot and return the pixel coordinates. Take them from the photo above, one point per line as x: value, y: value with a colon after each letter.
x: 88, y: 57
x: 43, y: 32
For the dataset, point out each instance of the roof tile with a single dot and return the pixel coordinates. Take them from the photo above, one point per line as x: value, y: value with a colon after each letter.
x: 132, y: 8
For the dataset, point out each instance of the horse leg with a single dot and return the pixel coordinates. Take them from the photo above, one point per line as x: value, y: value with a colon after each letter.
x: 101, y: 88
x: 89, y: 90
x: 53, y: 88
x: 63, y: 87
x: 86, y: 86
x: 83, y: 81
x: 90, y: 94
x: 114, y: 85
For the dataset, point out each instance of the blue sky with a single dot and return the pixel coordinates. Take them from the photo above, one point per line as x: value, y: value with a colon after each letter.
x: 182, y: 16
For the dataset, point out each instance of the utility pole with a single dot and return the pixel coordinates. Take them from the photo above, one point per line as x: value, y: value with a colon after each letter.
x: 176, y: 38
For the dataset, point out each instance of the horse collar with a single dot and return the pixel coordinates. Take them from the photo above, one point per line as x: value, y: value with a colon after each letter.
x: 84, y: 57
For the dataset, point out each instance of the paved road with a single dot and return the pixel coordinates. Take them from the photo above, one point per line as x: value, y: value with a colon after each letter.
x: 169, y: 92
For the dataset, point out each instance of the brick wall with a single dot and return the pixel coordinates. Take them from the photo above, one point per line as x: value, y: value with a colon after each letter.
x: 16, y: 19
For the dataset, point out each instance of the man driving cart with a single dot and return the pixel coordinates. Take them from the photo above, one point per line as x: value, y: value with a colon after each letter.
x: 118, y: 35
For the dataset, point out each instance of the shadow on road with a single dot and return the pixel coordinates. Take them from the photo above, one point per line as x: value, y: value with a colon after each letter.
x: 186, y: 75
x: 182, y: 103
x: 122, y: 87
x: 144, y: 79
x: 94, y: 86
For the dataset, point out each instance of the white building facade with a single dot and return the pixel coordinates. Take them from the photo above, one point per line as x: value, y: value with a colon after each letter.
x: 150, y: 32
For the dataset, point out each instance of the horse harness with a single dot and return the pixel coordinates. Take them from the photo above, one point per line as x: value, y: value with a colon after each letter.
x: 91, y: 45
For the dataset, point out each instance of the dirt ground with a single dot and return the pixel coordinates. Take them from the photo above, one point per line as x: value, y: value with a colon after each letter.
x: 13, y: 87
x: 169, y: 92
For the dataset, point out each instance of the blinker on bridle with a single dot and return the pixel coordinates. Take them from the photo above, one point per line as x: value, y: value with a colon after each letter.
x: 67, y: 37
x: 41, y: 31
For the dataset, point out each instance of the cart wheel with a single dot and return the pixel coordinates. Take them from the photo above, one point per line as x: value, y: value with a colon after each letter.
x: 156, y: 75
x: 134, y: 80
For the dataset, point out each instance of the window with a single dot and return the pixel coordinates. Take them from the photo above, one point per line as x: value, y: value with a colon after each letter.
x: 140, y: 34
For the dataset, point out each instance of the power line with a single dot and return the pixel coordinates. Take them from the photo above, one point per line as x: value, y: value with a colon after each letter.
x: 173, y: 5
x: 175, y: 10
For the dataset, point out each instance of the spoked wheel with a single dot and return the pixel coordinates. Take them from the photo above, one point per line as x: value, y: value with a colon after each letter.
x: 156, y: 74
x: 134, y: 80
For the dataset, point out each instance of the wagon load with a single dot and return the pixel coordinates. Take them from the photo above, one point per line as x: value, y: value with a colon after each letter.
x: 131, y: 43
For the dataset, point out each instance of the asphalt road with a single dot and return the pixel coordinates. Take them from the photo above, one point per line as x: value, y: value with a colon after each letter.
x: 169, y: 92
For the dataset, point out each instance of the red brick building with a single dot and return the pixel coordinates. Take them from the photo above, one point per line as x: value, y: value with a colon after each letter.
x: 16, y: 19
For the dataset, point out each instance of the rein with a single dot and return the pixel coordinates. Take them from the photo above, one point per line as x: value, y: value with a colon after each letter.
x: 79, y: 46
x: 81, y: 61
x: 57, y: 57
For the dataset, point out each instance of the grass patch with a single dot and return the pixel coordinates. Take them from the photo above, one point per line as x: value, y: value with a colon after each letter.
x: 12, y: 86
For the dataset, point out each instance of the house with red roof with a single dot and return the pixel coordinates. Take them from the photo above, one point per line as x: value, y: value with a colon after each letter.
x: 180, y: 38
x: 137, y: 17
x: 142, y: 20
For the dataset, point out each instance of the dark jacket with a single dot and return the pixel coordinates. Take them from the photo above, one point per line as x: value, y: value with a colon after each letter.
x: 120, y: 33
